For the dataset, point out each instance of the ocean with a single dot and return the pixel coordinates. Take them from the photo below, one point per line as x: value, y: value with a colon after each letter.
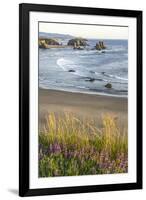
x: 86, y: 71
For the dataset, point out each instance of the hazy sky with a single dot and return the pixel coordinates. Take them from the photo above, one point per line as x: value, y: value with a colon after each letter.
x: 86, y: 31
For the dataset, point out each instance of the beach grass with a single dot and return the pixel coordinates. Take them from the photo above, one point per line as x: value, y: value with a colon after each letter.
x: 70, y: 145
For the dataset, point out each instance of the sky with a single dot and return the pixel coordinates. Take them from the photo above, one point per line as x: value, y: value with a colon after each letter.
x: 86, y: 31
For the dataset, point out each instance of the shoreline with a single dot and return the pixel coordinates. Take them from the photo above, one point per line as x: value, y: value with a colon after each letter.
x: 87, y: 92
x: 82, y: 105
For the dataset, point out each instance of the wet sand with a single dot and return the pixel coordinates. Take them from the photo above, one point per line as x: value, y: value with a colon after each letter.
x: 82, y: 105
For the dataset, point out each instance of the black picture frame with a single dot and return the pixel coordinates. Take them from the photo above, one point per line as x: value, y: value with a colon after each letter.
x: 24, y: 57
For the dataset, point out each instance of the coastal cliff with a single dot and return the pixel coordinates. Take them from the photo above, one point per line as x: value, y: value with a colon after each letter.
x: 45, y: 42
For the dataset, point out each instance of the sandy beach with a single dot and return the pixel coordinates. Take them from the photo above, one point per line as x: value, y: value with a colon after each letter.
x: 82, y: 105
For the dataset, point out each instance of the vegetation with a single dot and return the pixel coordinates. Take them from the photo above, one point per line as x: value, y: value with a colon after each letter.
x: 71, y: 146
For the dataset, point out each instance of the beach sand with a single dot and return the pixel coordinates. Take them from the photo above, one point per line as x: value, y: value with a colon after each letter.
x: 90, y: 106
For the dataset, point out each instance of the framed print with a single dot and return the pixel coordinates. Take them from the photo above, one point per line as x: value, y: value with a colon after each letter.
x: 80, y: 100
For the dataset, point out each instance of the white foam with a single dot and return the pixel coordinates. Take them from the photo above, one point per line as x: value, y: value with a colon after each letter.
x: 68, y: 65
x: 61, y: 62
x: 116, y: 77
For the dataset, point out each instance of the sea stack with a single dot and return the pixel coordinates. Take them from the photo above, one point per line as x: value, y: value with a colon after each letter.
x: 100, y: 46
x: 78, y: 43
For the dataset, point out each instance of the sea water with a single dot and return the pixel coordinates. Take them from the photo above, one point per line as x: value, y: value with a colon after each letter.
x: 86, y: 71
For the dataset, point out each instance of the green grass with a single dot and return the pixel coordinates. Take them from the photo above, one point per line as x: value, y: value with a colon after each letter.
x: 70, y: 146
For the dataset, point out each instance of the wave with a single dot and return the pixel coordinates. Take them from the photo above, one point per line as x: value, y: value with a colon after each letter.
x: 115, y: 76
x: 67, y: 65
x: 110, y: 75
x: 62, y: 63
x: 92, y: 52
x: 81, y: 87
x: 79, y: 74
x: 113, y: 50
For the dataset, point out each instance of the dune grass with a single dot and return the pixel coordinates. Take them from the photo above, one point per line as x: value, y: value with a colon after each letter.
x: 71, y: 146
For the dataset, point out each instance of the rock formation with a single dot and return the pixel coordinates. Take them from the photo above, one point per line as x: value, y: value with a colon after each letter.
x: 45, y: 42
x: 77, y: 42
x: 108, y: 85
x: 71, y: 70
x: 100, y: 46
